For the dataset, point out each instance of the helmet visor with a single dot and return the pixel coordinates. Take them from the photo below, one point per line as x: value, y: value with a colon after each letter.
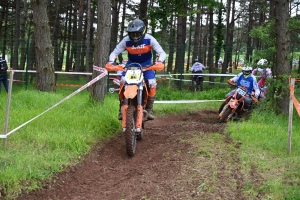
x: 246, y: 72
x: 135, y: 35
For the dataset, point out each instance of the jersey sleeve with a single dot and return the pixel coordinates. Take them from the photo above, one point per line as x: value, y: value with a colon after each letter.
x: 159, y: 50
x: 236, y: 78
x: 119, y: 49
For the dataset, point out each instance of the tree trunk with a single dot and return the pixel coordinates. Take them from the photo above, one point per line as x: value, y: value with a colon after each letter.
x: 122, y: 27
x: 55, y: 36
x: 79, y: 39
x: 282, y: 51
x: 115, y: 23
x: 143, y: 11
x: 22, y: 41
x: 15, y: 55
x: 88, y: 39
x: 197, y: 34
x: 227, y: 38
x: 171, y: 47
x: 44, y: 58
x: 210, y: 56
x: 98, y: 90
x: 189, y: 44
x: 219, y: 37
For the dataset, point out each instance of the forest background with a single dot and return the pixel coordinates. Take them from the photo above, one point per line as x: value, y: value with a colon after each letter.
x: 55, y: 35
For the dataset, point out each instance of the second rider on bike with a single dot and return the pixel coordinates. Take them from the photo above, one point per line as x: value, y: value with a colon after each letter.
x: 247, y: 80
x: 198, y: 69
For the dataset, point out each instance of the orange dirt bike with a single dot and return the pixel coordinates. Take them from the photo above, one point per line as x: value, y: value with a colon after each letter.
x: 135, y: 95
x: 233, y: 106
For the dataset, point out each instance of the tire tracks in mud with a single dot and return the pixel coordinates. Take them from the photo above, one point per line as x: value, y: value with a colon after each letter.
x: 182, y: 156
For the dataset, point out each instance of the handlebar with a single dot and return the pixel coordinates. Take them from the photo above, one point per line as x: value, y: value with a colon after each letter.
x: 158, y: 66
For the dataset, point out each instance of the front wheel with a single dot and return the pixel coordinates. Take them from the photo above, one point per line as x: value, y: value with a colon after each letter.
x: 225, y: 117
x: 222, y: 106
x: 130, y: 134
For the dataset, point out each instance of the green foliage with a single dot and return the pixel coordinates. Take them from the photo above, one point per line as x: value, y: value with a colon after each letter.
x: 265, y: 33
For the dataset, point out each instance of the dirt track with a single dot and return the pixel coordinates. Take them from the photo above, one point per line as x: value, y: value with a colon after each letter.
x: 186, y: 156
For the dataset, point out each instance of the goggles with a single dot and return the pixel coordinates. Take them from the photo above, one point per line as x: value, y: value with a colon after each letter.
x: 135, y: 35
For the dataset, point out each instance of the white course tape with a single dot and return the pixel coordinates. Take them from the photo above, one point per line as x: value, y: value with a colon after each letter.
x: 187, y: 101
x: 56, y: 72
x: 63, y: 100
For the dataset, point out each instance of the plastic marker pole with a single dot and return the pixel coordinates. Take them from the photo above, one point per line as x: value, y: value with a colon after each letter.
x: 8, y: 106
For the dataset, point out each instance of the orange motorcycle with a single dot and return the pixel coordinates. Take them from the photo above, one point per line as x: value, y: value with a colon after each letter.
x: 233, y: 106
x: 134, y: 94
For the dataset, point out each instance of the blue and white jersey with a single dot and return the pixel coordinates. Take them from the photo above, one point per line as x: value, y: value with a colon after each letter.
x: 197, y: 67
x: 142, y: 53
x: 248, y: 82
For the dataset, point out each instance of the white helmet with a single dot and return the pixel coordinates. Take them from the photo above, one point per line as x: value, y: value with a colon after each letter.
x: 247, y: 70
x: 268, y: 73
x: 262, y: 62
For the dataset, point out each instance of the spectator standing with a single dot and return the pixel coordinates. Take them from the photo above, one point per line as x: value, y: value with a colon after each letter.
x: 220, y: 63
x: 294, y: 64
x: 3, y: 73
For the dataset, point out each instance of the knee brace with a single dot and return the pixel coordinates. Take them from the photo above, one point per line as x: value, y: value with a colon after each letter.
x: 152, y: 87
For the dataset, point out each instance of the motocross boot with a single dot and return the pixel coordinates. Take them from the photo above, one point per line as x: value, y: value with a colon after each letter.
x: 149, y: 108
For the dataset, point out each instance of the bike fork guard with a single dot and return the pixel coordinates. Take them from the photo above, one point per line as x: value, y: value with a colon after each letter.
x: 124, y: 113
x: 139, y: 118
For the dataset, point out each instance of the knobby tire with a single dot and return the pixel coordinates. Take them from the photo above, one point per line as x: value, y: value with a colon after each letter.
x: 130, y: 135
x: 225, y: 115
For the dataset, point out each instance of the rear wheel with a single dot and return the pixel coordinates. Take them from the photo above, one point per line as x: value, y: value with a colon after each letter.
x: 130, y: 134
x: 200, y: 83
x: 224, y: 118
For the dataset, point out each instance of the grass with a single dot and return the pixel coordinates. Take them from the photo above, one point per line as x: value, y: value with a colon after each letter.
x: 264, y: 139
x: 61, y: 136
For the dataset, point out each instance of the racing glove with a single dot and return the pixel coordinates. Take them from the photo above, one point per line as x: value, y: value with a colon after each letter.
x: 110, y: 66
x: 254, y: 99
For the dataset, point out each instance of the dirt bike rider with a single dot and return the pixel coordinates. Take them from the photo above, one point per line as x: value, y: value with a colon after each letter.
x: 265, y: 73
x: 196, y: 68
x: 139, y: 46
x: 247, y: 80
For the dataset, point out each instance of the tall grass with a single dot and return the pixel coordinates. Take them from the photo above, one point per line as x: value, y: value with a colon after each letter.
x: 60, y: 137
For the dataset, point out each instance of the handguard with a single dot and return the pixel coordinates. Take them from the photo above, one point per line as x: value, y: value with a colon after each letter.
x: 158, y: 66
x: 111, y: 68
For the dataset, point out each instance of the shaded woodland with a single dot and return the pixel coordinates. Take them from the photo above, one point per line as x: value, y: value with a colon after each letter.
x: 55, y: 35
